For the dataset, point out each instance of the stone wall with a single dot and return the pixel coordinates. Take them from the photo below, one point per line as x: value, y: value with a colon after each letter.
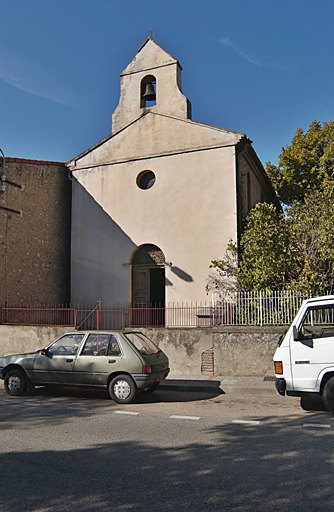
x: 246, y: 351
x: 35, y: 233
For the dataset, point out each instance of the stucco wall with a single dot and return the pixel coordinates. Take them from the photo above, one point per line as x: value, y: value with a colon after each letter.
x: 20, y: 339
x: 189, y: 213
x: 254, y: 184
x: 236, y: 351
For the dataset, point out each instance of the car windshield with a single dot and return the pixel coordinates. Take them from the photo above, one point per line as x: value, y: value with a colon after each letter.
x: 141, y: 343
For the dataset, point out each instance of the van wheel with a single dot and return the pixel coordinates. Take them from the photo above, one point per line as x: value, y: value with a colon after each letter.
x: 312, y: 403
x: 328, y: 395
x: 122, y: 389
x: 15, y: 382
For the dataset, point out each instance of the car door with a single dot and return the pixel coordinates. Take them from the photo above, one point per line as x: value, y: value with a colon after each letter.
x: 55, y: 364
x: 314, y: 351
x: 100, y: 355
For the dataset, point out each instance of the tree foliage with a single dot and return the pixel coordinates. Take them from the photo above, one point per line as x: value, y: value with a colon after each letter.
x: 264, y: 261
x: 310, y: 227
x: 295, y: 248
x: 292, y: 250
x: 306, y: 164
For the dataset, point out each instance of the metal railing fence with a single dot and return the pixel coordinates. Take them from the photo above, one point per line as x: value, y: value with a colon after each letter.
x: 242, y: 308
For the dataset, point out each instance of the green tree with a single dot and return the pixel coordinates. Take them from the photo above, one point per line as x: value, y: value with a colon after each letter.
x: 306, y: 164
x: 224, y: 276
x: 310, y: 230
x: 292, y: 250
x: 264, y: 262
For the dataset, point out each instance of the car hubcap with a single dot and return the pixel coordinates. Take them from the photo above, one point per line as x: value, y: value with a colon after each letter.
x: 14, y: 383
x: 122, y: 389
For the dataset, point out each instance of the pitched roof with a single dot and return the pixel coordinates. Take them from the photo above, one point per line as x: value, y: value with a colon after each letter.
x: 30, y: 161
x: 149, y: 56
x: 214, y: 142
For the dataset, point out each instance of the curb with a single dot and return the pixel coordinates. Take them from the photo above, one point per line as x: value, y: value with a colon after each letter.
x: 220, y: 385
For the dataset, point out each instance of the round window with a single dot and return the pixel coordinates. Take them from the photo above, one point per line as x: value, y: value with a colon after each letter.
x: 146, y: 180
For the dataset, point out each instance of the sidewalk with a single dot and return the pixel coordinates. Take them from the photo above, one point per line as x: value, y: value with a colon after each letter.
x: 223, y: 385
x: 227, y: 385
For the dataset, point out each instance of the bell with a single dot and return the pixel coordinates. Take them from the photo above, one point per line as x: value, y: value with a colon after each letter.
x: 149, y: 94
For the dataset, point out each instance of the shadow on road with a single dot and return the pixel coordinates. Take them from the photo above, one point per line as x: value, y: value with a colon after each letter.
x: 278, y: 466
x: 60, y: 404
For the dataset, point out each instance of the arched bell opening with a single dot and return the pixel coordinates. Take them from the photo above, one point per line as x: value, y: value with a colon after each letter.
x: 148, y: 286
x: 148, y: 91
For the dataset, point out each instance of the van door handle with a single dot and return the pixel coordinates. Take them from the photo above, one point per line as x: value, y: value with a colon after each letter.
x: 69, y: 360
x: 112, y: 361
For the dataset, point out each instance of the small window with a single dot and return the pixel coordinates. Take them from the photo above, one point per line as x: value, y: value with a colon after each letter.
x: 145, y: 180
x: 113, y: 349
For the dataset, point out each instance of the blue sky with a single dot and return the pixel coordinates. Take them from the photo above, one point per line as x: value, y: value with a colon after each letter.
x: 264, y: 67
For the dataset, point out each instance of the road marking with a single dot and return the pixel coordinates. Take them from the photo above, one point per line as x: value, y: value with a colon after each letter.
x: 316, y: 425
x: 246, y: 422
x: 129, y: 413
x: 176, y: 417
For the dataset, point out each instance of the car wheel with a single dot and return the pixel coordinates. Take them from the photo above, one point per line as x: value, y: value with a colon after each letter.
x: 328, y: 395
x: 151, y: 388
x: 15, y: 382
x: 122, y: 389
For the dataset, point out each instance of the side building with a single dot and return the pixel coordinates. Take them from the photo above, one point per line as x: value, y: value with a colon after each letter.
x: 35, y: 213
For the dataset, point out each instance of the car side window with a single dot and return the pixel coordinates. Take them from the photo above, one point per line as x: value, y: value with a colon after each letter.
x: 96, y: 345
x: 114, y: 348
x: 66, y: 345
x: 318, y: 323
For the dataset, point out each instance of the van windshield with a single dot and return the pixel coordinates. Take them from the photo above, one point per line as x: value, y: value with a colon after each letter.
x: 142, y: 343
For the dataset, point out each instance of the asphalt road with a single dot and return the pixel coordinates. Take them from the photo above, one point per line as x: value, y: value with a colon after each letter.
x: 170, y: 451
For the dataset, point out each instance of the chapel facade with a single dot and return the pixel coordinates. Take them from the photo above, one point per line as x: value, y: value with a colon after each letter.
x: 160, y: 197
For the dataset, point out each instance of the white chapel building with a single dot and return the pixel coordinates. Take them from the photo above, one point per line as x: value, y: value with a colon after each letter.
x: 160, y: 197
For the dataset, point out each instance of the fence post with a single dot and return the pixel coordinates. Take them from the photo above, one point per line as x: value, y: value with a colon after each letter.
x: 75, y: 318
x: 261, y: 312
x: 98, y: 314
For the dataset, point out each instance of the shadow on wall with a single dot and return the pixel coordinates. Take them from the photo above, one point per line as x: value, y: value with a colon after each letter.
x: 181, y: 274
x: 100, y: 252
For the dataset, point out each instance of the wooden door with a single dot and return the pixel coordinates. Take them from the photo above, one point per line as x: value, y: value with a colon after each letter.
x: 140, y: 287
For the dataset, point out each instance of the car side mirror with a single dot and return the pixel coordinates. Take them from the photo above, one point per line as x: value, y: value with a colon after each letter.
x: 296, y: 334
x: 44, y: 352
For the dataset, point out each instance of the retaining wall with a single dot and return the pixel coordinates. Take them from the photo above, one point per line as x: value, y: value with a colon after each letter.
x: 225, y: 351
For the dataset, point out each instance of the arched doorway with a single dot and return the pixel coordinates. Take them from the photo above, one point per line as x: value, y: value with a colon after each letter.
x: 148, y: 285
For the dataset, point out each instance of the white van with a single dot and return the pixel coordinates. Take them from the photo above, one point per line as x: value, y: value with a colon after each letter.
x: 304, y: 360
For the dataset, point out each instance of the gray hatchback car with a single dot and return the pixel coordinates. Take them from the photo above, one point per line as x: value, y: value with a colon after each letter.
x: 122, y: 362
